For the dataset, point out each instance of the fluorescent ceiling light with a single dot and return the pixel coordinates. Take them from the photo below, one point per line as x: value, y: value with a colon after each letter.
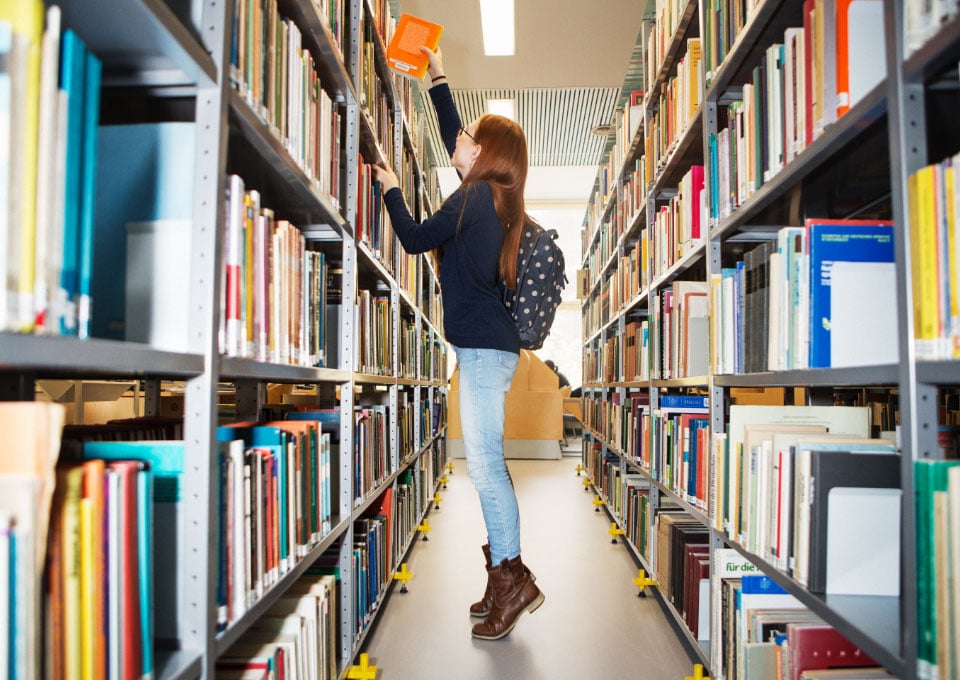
x: 501, y: 107
x: 497, y: 21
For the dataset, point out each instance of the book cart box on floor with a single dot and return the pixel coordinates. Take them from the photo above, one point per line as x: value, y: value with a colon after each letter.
x: 296, y: 299
x: 723, y: 183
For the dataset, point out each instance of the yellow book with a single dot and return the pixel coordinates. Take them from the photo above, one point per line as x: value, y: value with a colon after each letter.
x: 26, y: 19
x: 924, y: 261
x: 92, y: 568
x: 72, y: 480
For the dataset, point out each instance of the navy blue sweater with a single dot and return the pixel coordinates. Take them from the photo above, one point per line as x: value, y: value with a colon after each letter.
x: 473, y: 310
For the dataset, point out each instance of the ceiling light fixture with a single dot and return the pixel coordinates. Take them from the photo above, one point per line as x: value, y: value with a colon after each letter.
x: 502, y: 107
x: 497, y: 22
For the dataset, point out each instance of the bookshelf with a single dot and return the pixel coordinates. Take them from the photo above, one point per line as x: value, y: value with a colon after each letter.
x: 860, y: 164
x: 163, y: 66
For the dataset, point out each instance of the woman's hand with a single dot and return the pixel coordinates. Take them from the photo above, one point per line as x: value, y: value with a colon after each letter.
x: 388, y: 180
x: 435, y: 67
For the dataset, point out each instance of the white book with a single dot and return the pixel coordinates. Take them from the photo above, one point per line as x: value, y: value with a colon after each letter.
x: 238, y: 554
x: 17, y: 62
x: 6, y: 102
x: 867, y: 59
x: 114, y: 572
x: 774, y: 310
x: 863, y: 540
x: 46, y: 168
x: 862, y: 333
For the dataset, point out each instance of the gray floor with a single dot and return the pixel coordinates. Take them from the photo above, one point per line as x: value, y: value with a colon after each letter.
x: 592, y: 625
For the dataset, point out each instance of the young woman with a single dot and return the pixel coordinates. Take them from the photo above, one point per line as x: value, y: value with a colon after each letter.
x: 477, y: 230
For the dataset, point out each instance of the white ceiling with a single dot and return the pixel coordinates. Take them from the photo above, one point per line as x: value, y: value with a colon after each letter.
x: 571, y: 60
x: 559, y: 43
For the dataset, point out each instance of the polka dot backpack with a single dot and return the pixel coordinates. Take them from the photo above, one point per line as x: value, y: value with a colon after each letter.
x: 540, y: 280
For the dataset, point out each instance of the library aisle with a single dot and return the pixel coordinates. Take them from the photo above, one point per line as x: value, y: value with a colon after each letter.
x: 592, y: 624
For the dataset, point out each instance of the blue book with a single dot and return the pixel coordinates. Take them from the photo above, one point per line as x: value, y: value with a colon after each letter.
x: 88, y: 192
x: 830, y: 241
x: 72, y: 81
x: 165, y: 460
x: 145, y: 554
x: 683, y: 401
x: 329, y: 419
x: 759, y: 584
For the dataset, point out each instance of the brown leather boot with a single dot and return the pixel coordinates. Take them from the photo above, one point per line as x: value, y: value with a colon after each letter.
x: 482, y: 608
x: 513, y: 594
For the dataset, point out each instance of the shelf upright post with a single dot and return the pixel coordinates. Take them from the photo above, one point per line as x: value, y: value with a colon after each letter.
x: 348, y: 335
x: 198, y: 572
x: 918, y: 401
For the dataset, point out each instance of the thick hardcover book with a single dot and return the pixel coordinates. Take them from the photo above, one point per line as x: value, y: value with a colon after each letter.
x: 814, y: 646
x: 854, y: 523
x: 403, y: 52
x: 830, y: 241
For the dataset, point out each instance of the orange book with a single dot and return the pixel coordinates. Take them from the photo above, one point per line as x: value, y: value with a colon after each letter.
x: 403, y: 52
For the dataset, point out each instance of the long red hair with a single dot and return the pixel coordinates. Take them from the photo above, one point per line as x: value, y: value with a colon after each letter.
x: 503, y: 164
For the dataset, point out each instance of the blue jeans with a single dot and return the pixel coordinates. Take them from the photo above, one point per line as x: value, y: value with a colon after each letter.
x: 485, y: 377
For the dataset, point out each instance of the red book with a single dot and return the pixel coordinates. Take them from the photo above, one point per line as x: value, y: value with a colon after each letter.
x: 818, y: 646
x: 130, y: 636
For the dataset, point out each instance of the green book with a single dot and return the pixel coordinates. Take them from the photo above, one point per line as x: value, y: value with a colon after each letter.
x: 930, y: 476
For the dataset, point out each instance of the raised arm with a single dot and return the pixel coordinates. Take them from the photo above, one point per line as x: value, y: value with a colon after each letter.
x: 447, y: 115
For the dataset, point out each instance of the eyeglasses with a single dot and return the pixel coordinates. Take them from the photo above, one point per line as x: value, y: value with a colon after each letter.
x: 463, y: 131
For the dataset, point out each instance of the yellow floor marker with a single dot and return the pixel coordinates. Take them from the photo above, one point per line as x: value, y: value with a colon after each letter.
x: 436, y: 500
x: 597, y: 502
x: 444, y: 480
x: 642, y: 582
x: 580, y: 469
x: 614, y: 531
x: 697, y: 673
x: 364, y: 671
x: 403, y: 576
x: 586, y: 484
x: 450, y: 467
x: 425, y: 528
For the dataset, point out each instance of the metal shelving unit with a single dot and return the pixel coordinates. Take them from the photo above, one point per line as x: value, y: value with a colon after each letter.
x: 148, y: 48
x: 894, y: 115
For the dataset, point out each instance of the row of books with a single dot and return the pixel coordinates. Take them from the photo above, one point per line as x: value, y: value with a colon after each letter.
x: 372, y: 457
x: 279, y: 79
x: 762, y: 632
x: 374, y: 333
x: 759, y: 631
x: 934, y: 248
x: 275, y: 484
x: 809, y: 491
x: 50, y: 102
x: 373, y: 91
x: 922, y: 20
x: 273, y: 306
x: 296, y: 637
x: 800, y: 86
x: 627, y: 495
x: 627, y: 121
x: 669, y: 14
x: 372, y: 222
x: 679, y: 332
x: 678, y: 225
x: 678, y: 100
x: 802, y: 300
